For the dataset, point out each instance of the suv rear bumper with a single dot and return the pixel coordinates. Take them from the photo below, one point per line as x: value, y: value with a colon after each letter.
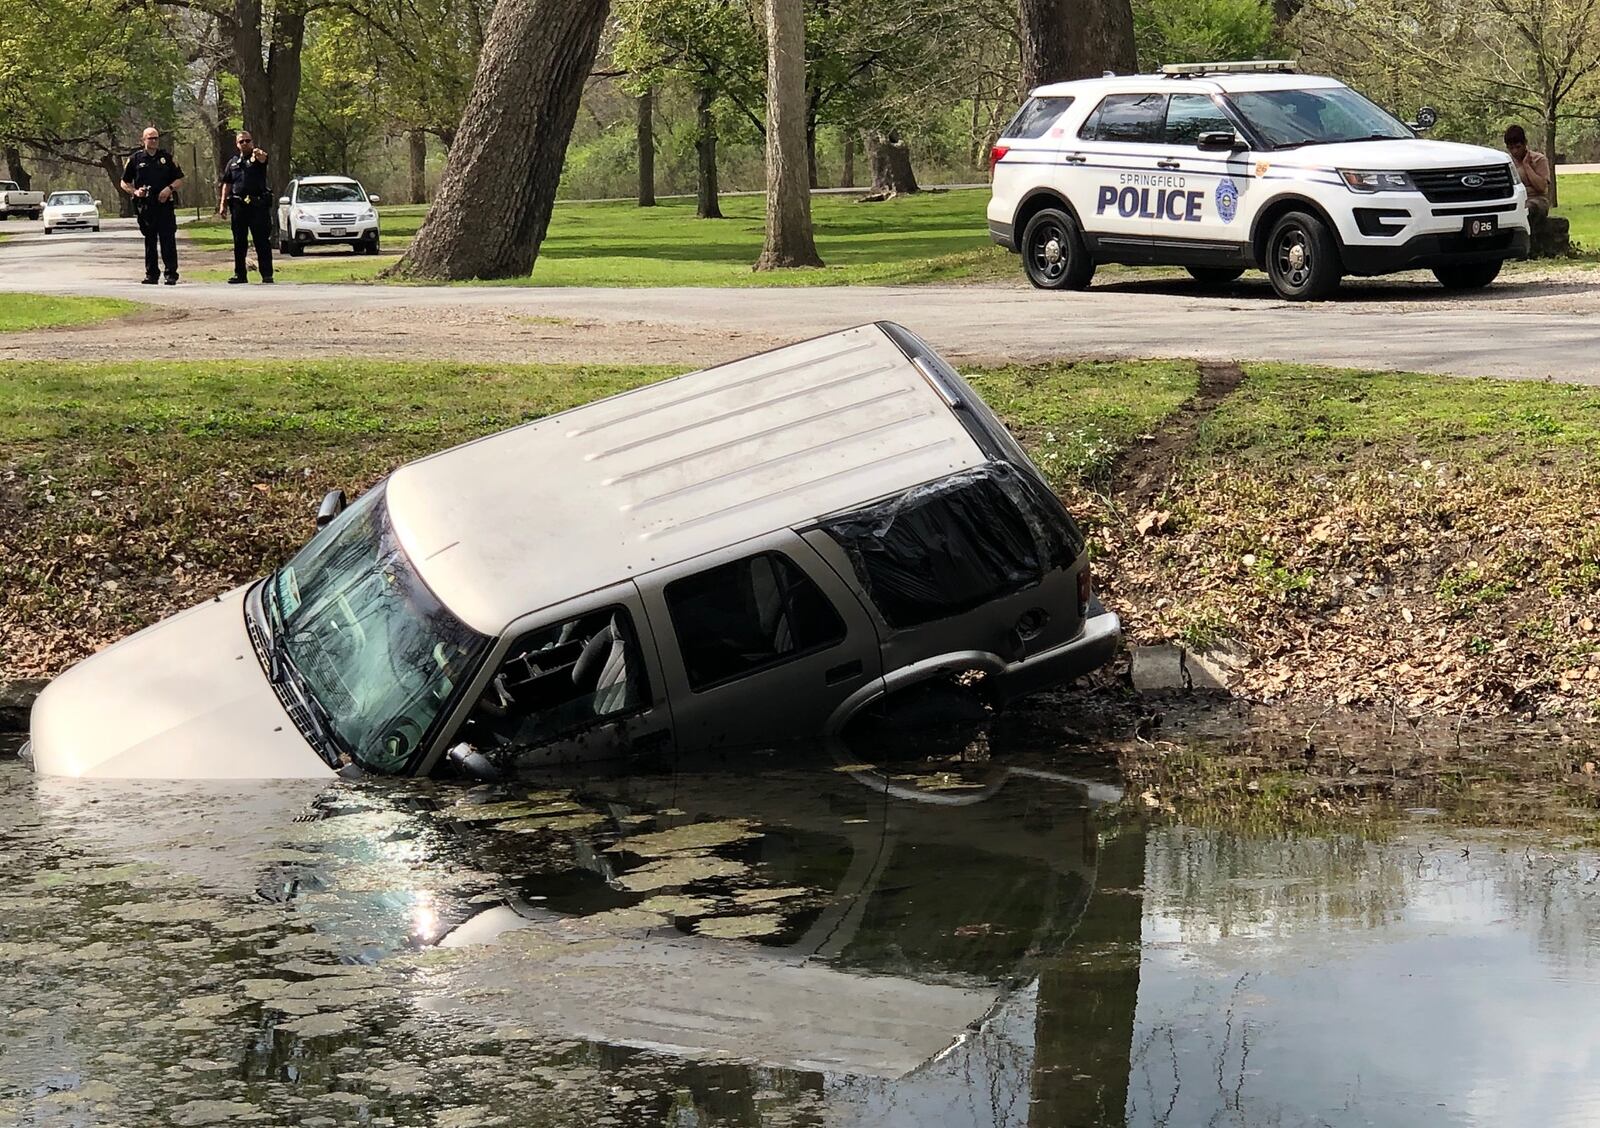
x: 1095, y: 645
x: 1423, y: 252
x: 1003, y: 234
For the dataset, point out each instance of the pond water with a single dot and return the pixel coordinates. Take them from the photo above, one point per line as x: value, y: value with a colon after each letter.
x: 780, y: 941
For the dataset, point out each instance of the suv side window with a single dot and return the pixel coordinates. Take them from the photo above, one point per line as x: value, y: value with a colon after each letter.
x: 1138, y: 118
x: 561, y: 679
x: 1190, y: 115
x: 945, y: 548
x: 1035, y: 117
x: 749, y: 615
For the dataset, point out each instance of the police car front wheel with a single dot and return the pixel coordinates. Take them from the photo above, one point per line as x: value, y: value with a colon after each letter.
x: 1302, y: 258
x: 1053, y: 253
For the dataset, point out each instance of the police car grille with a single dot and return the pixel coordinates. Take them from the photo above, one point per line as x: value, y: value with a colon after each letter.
x: 1447, y: 185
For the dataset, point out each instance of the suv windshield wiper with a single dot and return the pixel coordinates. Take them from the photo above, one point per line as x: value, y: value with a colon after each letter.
x: 281, y: 670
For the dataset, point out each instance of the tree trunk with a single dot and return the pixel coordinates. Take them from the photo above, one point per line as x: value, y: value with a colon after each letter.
x: 222, y: 138
x: 789, y: 240
x: 812, y: 181
x: 113, y: 170
x: 1550, y: 149
x: 1285, y: 10
x: 891, y: 167
x: 417, y: 166
x: 492, y: 206
x: 647, y: 149
x: 847, y: 162
x: 1067, y: 39
x: 705, y: 147
x: 267, y: 63
x: 17, y: 171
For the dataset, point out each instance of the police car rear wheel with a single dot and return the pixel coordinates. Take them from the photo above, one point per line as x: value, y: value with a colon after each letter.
x: 1214, y: 275
x: 1053, y: 254
x: 1302, y: 258
x: 1467, y: 276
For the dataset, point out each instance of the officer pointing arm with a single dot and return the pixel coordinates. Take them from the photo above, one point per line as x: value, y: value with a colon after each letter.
x: 247, y: 194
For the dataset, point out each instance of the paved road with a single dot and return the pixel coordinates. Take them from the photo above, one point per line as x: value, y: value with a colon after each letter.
x: 1524, y: 327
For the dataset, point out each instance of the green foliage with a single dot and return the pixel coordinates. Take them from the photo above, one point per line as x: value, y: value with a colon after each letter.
x: 1178, y: 31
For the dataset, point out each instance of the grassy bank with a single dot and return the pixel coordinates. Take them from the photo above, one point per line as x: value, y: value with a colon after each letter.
x: 1580, y: 203
x: 39, y: 311
x: 938, y: 236
x: 1424, y: 543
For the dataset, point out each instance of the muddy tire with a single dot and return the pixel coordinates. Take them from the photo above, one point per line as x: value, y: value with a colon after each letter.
x: 1054, y: 256
x: 1468, y: 276
x: 1214, y: 275
x: 1302, y: 258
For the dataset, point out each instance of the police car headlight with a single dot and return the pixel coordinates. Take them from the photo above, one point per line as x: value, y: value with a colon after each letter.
x: 1360, y: 181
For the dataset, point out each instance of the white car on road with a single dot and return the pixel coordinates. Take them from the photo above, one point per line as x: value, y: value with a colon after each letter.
x: 65, y: 211
x: 327, y: 209
x: 1225, y: 167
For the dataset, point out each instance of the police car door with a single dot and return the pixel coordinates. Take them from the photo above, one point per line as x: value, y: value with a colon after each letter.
x: 1123, y: 185
x: 1212, y: 182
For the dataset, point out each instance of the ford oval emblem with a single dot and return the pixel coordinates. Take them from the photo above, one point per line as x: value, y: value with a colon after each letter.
x: 1472, y: 180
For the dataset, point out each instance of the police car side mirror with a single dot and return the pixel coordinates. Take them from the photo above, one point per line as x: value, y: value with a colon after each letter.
x: 1222, y: 141
x: 1427, y: 118
x: 333, y: 503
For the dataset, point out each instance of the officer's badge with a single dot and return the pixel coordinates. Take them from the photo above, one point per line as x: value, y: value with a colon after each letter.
x: 163, y: 160
x: 1227, y: 199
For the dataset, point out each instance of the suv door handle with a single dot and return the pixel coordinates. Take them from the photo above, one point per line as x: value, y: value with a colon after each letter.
x: 1168, y: 164
x: 842, y: 673
x: 1076, y: 158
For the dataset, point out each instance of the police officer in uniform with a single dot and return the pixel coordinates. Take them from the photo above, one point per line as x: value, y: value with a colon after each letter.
x: 153, y: 178
x: 246, y: 192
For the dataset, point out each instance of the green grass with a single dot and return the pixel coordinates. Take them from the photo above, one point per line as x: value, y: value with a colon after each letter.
x: 39, y: 311
x: 1580, y: 203
x: 933, y: 237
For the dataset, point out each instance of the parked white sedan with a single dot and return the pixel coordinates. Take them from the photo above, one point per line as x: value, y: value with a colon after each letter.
x: 327, y: 209
x: 65, y: 211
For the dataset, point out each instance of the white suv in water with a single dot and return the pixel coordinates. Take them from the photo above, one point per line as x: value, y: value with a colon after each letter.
x: 1224, y: 167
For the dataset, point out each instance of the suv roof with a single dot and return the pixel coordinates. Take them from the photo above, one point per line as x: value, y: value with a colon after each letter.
x: 327, y: 180
x: 1209, y: 83
x: 541, y: 513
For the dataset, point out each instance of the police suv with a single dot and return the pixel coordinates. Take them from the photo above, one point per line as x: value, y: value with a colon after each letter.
x: 1223, y: 167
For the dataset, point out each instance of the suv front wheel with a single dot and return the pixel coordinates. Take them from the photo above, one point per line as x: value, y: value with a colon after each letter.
x: 1053, y: 253
x: 1302, y: 258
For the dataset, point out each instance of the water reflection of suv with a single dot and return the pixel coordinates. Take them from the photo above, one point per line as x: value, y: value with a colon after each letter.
x: 743, y: 556
x: 1224, y: 167
x: 327, y: 209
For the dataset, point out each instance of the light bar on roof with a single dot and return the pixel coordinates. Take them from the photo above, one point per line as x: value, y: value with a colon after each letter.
x: 1253, y: 66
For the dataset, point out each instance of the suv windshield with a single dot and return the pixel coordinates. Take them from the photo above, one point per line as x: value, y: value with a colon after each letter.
x: 1287, y: 119
x: 69, y: 199
x: 376, y: 649
x: 330, y: 194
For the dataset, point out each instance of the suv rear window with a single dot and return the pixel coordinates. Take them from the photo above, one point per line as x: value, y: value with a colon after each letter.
x: 1127, y: 117
x: 948, y: 547
x: 1036, y: 116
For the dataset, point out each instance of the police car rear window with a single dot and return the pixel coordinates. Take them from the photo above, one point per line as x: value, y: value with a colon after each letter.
x: 1036, y: 116
x: 1127, y: 117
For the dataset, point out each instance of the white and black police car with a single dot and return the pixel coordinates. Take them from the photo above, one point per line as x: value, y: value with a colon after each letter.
x: 1225, y: 167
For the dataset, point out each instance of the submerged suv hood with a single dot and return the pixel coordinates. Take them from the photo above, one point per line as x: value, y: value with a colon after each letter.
x: 183, y: 699
x: 1380, y: 156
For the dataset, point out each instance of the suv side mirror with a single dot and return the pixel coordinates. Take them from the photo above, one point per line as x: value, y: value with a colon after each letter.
x: 283, y: 199
x: 333, y: 503
x: 1427, y: 118
x: 1222, y: 141
x: 372, y: 199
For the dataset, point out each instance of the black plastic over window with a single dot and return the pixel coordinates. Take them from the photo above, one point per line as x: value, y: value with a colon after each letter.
x: 1128, y: 118
x: 747, y: 616
x: 945, y: 548
x: 1190, y: 115
x: 1035, y: 117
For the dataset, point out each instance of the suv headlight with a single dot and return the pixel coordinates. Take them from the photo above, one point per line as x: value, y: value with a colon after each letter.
x: 1361, y: 181
x: 304, y: 217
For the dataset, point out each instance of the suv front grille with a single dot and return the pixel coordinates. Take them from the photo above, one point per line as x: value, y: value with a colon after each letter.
x: 1459, y: 185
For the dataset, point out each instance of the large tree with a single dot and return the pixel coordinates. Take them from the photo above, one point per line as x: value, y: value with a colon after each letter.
x: 789, y: 241
x: 1067, y: 39
x: 493, y: 204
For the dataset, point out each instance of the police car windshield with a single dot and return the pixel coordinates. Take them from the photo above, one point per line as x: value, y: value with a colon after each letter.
x: 369, y: 640
x: 330, y: 194
x: 1288, y: 119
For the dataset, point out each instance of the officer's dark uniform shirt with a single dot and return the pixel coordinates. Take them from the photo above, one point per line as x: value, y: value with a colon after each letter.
x: 247, y: 180
x: 154, y: 171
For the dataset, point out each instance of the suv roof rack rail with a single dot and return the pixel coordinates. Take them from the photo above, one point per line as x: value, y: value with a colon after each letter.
x: 1254, y: 66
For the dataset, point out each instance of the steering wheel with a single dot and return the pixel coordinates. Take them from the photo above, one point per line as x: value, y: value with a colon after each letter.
x: 400, y: 742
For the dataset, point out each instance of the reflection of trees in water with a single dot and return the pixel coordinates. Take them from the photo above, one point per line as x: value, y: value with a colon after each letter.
x: 1215, y: 883
x: 1556, y: 894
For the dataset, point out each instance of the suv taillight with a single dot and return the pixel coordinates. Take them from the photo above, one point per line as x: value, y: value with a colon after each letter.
x: 995, y: 153
x: 1083, y: 591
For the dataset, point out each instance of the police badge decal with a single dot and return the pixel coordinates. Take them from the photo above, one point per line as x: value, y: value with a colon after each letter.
x: 1227, y: 199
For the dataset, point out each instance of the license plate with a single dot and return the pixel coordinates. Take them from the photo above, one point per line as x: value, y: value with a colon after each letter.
x: 1482, y: 226
x: 338, y: 232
